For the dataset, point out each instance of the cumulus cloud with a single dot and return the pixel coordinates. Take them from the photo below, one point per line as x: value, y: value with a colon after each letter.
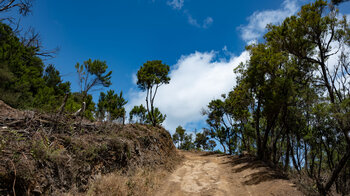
x: 259, y: 19
x: 196, y: 79
x: 176, y: 4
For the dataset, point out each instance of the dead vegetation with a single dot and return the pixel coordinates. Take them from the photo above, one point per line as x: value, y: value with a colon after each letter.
x: 43, y: 154
x: 142, y: 182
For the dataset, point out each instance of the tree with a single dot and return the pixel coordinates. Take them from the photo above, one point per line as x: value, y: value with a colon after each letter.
x: 117, y: 109
x: 290, y: 105
x: 74, y: 103
x: 138, y: 113
x: 211, y: 145
x: 101, y: 107
x: 53, y: 79
x: 182, y: 139
x: 150, y: 77
x: 187, y: 143
x: 22, y: 73
x: 176, y: 139
x: 111, y: 104
x: 314, y: 36
x: 51, y: 95
x: 157, y: 119
x: 201, y: 141
x: 179, y: 135
x: 92, y: 74
x: 220, y: 124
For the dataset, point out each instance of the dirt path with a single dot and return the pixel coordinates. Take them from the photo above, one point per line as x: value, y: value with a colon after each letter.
x: 203, y: 174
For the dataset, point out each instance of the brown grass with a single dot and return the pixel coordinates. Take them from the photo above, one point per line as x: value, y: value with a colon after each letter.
x: 142, y: 183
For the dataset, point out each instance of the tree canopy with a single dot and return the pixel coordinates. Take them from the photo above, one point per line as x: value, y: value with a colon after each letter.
x: 93, y: 74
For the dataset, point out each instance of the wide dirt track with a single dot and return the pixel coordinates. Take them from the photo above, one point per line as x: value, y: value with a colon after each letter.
x: 214, y: 174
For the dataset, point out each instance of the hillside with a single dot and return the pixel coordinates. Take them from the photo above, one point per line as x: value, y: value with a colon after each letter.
x: 43, y: 154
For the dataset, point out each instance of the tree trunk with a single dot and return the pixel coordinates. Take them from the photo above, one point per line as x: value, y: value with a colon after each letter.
x: 306, y: 159
x: 257, y: 128
x: 293, y: 158
x: 287, y: 153
x: 223, y: 146
x: 61, y: 109
x: 324, y: 189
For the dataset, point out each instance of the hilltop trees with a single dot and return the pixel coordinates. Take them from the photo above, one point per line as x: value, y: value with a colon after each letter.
x: 150, y: 77
x: 24, y: 83
x: 50, y: 96
x: 138, y: 113
x: 112, y: 105
x: 184, y: 141
x: 74, y: 104
x: 201, y: 141
x: 92, y: 74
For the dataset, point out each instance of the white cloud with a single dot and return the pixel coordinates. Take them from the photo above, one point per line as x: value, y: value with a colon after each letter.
x: 176, y: 4
x: 205, y: 24
x: 193, y: 21
x: 196, y: 79
x: 258, y: 21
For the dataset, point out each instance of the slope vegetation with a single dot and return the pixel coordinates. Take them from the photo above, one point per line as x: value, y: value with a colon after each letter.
x: 52, y: 154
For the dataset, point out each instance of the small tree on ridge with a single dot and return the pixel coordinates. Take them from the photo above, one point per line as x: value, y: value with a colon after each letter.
x: 150, y: 77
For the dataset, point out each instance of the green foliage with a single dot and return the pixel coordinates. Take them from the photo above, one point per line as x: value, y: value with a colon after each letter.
x: 50, y: 97
x: 179, y: 136
x: 21, y: 70
x: 138, y: 113
x: 187, y: 144
x: 152, y: 73
x: 182, y: 139
x: 113, y: 105
x: 24, y: 82
x: 222, y: 123
x: 93, y: 74
x: 201, y: 141
x: 74, y: 104
x: 211, y: 145
x: 291, y: 102
x: 150, y: 77
x: 156, y: 119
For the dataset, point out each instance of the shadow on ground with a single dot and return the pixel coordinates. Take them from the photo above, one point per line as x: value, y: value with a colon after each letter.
x: 260, y: 171
x: 204, y: 154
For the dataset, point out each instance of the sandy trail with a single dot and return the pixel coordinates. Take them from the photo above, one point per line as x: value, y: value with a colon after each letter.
x: 203, y: 174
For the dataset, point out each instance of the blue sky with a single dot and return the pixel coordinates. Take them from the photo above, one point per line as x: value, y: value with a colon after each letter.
x: 202, y: 41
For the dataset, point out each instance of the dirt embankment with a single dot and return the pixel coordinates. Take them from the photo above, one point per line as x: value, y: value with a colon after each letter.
x: 213, y: 174
x: 51, y: 155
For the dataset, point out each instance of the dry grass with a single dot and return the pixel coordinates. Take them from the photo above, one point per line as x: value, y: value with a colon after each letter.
x: 143, y: 182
